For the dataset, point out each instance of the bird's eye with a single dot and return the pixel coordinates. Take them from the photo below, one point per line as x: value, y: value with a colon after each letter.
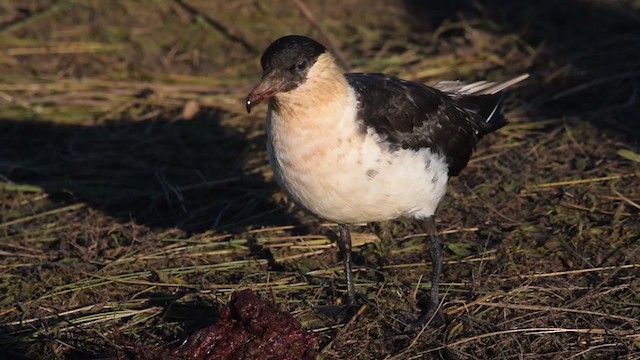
x: 301, y: 65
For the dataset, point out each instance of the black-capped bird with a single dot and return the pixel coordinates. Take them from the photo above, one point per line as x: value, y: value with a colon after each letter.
x: 355, y: 148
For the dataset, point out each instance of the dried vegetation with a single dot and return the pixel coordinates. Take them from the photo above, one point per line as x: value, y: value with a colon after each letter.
x: 135, y: 193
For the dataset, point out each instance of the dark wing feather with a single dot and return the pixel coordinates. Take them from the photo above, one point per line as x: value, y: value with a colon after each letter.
x: 414, y: 116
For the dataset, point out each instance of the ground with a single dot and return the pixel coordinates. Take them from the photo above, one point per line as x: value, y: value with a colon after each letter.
x: 136, y: 196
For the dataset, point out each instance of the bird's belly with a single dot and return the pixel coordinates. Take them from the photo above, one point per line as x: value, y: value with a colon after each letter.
x: 354, y: 179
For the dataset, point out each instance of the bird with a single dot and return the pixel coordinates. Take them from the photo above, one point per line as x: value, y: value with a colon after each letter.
x: 367, y: 147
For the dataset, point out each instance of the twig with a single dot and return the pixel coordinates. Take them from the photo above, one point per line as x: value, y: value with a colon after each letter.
x: 493, y: 208
x: 532, y: 331
x: 591, y: 348
x: 551, y: 308
x: 62, y: 48
x: 306, y: 12
x: 92, y: 307
x: 447, y: 262
x: 574, y: 272
x: 43, y: 214
x: 597, y: 82
x: 22, y: 21
x: 216, y: 25
x: 9, y: 186
x: 626, y: 199
x: 443, y: 232
x: 578, y: 181
x: 422, y: 330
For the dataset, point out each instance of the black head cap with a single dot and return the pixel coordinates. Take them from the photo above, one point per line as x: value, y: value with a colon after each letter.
x: 285, y: 65
x: 291, y: 53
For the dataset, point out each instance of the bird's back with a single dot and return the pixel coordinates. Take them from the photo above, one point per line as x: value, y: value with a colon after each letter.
x: 449, y: 118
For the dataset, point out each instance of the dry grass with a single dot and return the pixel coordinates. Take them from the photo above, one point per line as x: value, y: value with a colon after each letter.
x: 135, y: 193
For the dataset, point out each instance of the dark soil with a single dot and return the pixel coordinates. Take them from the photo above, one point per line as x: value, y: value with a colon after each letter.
x: 136, y: 196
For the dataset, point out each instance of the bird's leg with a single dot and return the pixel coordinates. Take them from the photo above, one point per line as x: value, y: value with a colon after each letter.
x: 435, y: 253
x: 344, y: 313
x: 344, y: 244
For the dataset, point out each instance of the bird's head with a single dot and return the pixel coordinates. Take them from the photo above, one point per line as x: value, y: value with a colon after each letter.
x: 285, y: 66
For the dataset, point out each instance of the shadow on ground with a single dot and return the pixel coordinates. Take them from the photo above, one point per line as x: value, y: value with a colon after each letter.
x: 158, y: 172
x: 191, y: 313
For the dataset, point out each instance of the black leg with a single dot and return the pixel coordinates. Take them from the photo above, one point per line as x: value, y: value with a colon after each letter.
x: 344, y: 244
x: 435, y: 252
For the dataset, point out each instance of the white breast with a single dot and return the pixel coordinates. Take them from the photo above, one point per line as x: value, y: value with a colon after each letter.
x: 335, y: 170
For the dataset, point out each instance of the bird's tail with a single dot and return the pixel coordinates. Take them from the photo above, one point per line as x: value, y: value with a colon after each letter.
x: 477, y: 88
x: 483, y: 98
x: 487, y: 111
